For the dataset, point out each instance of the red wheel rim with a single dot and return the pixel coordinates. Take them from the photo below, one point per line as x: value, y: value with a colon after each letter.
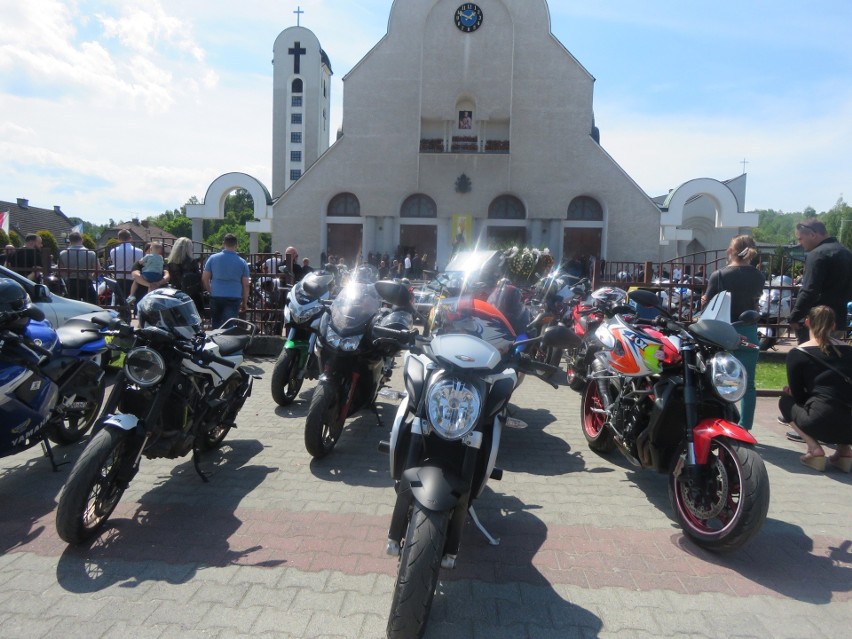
x: 593, y: 422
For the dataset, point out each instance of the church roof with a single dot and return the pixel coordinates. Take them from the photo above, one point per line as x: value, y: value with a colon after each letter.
x: 326, y: 61
x: 25, y: 219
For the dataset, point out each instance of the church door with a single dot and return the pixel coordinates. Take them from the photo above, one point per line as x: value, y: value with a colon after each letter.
x: 420, y: 239
x: 581, y: 242
x: 344, y: 240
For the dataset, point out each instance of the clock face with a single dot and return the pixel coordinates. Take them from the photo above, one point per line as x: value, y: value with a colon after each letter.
x: 468, y: 17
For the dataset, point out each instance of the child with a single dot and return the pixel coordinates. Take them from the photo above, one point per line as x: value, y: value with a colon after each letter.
x: 153, y: 265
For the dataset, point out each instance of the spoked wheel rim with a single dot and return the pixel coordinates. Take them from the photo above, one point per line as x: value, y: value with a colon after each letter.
x: 593, y: 423
x: 712, y: 504
x: 105, y: 492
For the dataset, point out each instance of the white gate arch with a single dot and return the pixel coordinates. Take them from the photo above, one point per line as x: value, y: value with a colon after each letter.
x: 213, y: 207
x: 728, y: 213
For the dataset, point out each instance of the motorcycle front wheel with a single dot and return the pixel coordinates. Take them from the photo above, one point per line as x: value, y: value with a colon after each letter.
x: 725, y: 504
x: 93, y: 490
x: 73, y: 425
x: 417, y: 578
x: 595, y: 431
x: 286, y: 382
x: 324, y: 424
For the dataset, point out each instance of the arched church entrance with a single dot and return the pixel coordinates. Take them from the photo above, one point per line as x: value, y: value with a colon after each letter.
x: 418, y: 229
x: 582, y: 236
x: 344, y: 229
x: 506, y: 222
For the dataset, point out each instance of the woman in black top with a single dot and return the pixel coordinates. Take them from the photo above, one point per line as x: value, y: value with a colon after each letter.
x: 745, y: 284
x: 816, y: 401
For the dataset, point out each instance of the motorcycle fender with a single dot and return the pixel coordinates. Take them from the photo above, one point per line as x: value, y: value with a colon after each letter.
x: 433, y: 488
x: 396, y: 460
x: 124, y: 421
x: 708, y: 429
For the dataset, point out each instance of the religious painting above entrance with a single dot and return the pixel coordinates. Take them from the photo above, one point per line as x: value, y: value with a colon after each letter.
x: 468, y: 17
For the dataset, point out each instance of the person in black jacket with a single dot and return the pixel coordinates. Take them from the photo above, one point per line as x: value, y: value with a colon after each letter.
x: 828, y: 276
x: 816, y: 402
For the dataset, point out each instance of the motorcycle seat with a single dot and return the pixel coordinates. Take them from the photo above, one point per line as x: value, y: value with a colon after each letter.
x: 78, y: 333
x: 230, y: 344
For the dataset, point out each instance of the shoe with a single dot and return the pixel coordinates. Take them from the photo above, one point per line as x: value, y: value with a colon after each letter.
x: 817, y: 462
x: 843, y: 464
x: 131, y: 300
x: 793, y: 436
x: 781, y: 420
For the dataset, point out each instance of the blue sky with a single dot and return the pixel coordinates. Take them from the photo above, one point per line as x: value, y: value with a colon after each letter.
x: 117, y: 109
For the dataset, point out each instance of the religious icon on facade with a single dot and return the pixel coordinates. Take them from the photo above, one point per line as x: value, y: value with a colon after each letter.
x: 465, y: 119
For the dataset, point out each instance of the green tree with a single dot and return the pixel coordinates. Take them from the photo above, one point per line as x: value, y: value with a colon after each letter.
x: 4, y: 239
x: 89, y: 241
x: 49, y: 242
x: 15, y: 239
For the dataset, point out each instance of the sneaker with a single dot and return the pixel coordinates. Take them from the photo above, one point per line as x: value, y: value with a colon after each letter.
x: 793, y: 436
x: 131, y: 300
x: 781, y: 420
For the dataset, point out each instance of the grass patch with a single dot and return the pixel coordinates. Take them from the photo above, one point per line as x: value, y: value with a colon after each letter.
x: 770, y: 375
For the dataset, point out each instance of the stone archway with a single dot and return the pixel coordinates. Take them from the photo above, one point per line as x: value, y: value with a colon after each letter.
x: 728, y: 213
x: 213, y: 207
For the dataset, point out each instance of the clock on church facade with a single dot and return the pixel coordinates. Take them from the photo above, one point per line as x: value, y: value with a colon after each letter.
x: 468, y: 17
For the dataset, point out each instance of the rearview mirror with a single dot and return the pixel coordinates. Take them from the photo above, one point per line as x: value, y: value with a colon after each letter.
x: 394, y: 292
x: 560, y: 337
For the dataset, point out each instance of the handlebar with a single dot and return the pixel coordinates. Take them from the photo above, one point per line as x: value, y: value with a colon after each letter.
x: 402, y: 336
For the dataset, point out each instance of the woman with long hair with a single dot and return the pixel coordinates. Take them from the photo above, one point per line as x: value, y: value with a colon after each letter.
x: 745, y: 283
x: 185, y: 271
x: 816, y: 404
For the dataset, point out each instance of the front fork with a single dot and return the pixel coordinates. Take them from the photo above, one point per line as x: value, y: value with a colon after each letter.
x: 690, y: 401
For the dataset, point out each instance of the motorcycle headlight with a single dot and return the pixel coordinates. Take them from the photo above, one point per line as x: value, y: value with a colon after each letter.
x: 144, y: 367
x: 347, y: 344
x: 728, y: 376
x: 453, y: 408
x: 302, y: 314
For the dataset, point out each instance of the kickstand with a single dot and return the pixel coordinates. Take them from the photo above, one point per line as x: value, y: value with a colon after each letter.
x: 196, y: 461
x: 485, y: 533
x: 376, y: 413
x: 48, y: 452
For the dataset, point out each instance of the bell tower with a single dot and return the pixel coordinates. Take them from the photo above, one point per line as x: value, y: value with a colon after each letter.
x: 301, y: 99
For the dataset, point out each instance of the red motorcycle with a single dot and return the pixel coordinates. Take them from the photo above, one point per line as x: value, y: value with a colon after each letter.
x: 587, y: 311
x: 664, y: 394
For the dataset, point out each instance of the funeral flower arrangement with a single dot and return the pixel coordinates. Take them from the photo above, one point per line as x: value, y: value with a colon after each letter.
x: 525, y: 263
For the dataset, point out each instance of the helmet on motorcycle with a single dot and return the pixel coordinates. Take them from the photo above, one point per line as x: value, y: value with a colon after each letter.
x: 13, y: 297
x: 172, y: 310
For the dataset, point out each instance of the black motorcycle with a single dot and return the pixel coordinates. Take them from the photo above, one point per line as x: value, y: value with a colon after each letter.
x: 358, y: 341
x: 179, y: 392
x: 445, y: 440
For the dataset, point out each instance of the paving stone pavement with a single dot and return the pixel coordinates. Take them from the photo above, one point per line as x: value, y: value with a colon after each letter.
x: 276, y: 545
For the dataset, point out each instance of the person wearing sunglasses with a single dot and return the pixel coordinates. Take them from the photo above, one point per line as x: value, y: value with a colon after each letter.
x: 827, y: 280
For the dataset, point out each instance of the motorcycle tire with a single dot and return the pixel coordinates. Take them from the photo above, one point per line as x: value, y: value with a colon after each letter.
x: 214, y: 438
x: 73, y: 426
x: 728, y: 506
x: 595, y: 431
x: 574, y: 362
x: 286, y: 383
x: 323, y: 424
x: 92, y: 490
x: 417, y: 578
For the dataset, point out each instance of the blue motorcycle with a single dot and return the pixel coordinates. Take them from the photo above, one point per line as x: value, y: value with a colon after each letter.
x: 51, y: 381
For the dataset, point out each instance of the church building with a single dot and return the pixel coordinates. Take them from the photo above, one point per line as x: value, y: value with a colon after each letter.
x: 466, y: 123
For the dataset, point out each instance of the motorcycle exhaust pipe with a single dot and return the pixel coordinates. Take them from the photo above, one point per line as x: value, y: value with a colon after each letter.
x: 599, y: 372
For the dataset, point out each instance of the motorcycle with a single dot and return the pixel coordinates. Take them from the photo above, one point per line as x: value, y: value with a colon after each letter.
x: 357, y: 343
x: 551, y: 298
x: 587, y: 311
x: 51, y: 382
x: 302, y: 317
x: 664, y: 395
x: 775, y: 307
x: 179, y: 391
x: 444, y: 443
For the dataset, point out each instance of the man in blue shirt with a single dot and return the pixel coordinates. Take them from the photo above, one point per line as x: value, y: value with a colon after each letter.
x: 226, y: 278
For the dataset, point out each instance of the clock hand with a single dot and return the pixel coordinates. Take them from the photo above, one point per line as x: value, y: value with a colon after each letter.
x: 468, y: 15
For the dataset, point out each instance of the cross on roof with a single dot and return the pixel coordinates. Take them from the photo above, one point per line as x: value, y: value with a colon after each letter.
x: 298, y: 13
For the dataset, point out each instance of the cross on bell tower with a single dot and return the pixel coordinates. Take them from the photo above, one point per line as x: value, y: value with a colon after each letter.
x: 298, y: 13
x: 297, y: 52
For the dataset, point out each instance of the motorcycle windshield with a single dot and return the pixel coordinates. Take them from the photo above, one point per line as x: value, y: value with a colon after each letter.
x: 470, y: 315
x: 354, y: 307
